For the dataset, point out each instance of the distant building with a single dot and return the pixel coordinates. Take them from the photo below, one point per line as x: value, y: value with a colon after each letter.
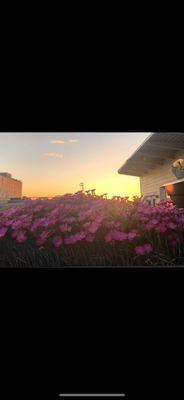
x: 9, y: 187
x: 152, y: 163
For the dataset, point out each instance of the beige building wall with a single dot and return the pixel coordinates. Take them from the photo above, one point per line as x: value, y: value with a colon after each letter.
x: 9, y: 187
x: 150, y: 183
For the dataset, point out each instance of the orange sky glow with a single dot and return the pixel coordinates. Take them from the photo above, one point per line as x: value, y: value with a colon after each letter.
x: 52, y: 164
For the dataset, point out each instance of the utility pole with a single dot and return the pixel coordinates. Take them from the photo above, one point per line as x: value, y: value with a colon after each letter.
x: 82, y: 186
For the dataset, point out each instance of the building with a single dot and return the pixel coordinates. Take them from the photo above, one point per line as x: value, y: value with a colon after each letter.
x: 152, y: 163
x: 9, y: 187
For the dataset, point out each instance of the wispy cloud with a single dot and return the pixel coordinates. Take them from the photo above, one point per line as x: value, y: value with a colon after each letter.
x: 53, y: 155
x: 57, y: 141
x: 72, y: 140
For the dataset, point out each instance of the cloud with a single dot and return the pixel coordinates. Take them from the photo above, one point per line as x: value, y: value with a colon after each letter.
x: 72, y: 140
x: 57, y: 141
x: 53, y: 155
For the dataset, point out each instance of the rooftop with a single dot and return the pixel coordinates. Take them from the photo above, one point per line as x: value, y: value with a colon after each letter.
x: 155, y: 150
x: 9, y: 176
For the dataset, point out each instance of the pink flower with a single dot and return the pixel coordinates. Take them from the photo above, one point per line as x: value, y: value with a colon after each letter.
x: 139, y: 250
x: 22, y: 222
x: 93, y: 227
x: 80, y: 235
x: 21, y: 237
x: 65, y: 228
x: 10, y: 222
x: 69, y: 220
x: 145, y: 249
x: 151, y: 224
x: 37, y: 224
x: 161, y: 228
x: 116, y: 235
x: 70, y: 240
x: 14, y: 234
x: 75, y: 238
x: 148, y: 248
x: 181, y: 219
x: 57, y: 241
x: 172, y: 225
x: 38, y: 208
x: 108, y: 237
x: 132, y: 235
x: 3, y: 231
x: 113, y: 224
x: 86, y: 225
x: 153, y: 221
x: 42, y: 238
x: 17, y: 224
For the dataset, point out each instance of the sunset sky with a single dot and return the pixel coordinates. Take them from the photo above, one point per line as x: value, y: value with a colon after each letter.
x: 51, y: 164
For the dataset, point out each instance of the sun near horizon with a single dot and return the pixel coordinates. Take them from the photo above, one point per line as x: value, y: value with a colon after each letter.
x: 52, y: 164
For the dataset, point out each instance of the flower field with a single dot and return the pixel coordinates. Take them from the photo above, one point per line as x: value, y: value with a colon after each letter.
x: 80, y: 230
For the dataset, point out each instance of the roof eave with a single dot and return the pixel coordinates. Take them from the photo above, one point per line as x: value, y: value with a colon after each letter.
x: 148, y: 156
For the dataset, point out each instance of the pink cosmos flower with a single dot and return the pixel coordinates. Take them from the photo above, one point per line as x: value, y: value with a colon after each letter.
x: 21, y: 237
x: 153, y: 221
x: 172, y: 225
x: 69, y: 240
x: 17, y: 224
x: 37, y: 224
x: 132, y: 235
x: 42, y: 238
x: 108, y: 237
x: 22, y: 223
x: 10, y: 212
x: 161, y: 228
x: 139, y: 250
x: 14, y: 234
x: 50, y: 221
x: 148, y: 248
x: 145, y: 249
x: 75, y: 238
x: 3, y: 231
x: 93, y: 227
x: 38, y: 208
x: 181, y: 218
x: 116, y: 235
x: 113, y: 224
x: 69, y: 220
x: 9, y: 222
x: 80, y: 235
x: 57, y: 241
x: 86, y: 225
x: 65, y: 228
x: 151, y: 224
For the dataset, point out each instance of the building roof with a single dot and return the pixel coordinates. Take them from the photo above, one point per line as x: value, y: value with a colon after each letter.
x: 155, y: 150
x: 9, y: 176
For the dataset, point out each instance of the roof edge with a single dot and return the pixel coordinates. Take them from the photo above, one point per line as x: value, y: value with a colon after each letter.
x: 141, y: 145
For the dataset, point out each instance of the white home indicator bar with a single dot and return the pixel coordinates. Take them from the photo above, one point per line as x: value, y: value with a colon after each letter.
x: 120, y: 395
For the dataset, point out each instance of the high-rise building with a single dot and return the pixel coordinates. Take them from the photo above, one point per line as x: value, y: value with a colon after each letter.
x: 9, y: 187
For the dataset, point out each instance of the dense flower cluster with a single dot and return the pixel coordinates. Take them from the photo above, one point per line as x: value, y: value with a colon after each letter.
x: 138, y: 229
